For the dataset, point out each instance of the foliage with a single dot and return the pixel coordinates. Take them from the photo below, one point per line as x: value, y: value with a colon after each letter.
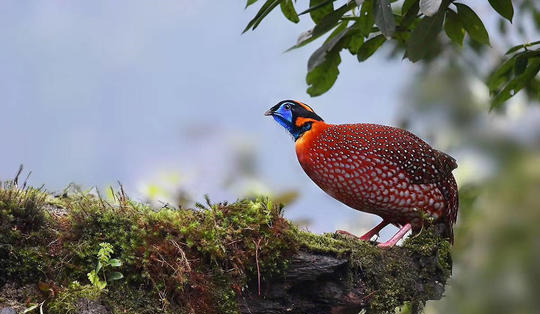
x: 418, y: 30
x: 104, y: 262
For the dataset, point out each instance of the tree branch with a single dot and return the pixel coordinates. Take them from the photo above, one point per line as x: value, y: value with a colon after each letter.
x: 317, y: 283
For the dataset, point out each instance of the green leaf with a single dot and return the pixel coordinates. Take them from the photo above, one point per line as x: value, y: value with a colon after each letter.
x: 287, y: 8
x: 115, y: 276
x: 497, y: 78
x: 369, y: 47
x: 250, y: 2
x: 105, y: 251
x: 514, y: 49
x: 454, y: 28
x: 410, y: 16
x: 355, y: 43
x: 315, y: 7
x: 337, y: 31
x: 331, y: 20
x: 517, y: 83
x: 407, y: 5
x: 115, y: 262
x: 504, y: 8
x: 424, y: 35
x: 384, y: 17
x: 472, y: 23
x: 94, y: 279
x: 367, y: 18
x: 323, y: 8
x: 503, y: 73
x: 324, y: 76
x: 521, y: 64
x: 319, y: 56
x: 267, y: 7
x: 326, y: 24
x: 101, y: 285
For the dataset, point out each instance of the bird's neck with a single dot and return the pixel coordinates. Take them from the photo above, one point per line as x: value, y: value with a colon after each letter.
x: 304, y: 141
x: 298, y: 132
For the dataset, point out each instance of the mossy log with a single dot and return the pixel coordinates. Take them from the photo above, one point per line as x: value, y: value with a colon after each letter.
x: 242, y: 257
x: 318, y: 283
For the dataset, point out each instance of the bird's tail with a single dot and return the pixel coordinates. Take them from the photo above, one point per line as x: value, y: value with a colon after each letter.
x: 450, y: 192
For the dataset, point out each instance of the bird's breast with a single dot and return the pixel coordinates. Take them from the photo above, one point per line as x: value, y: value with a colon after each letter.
x: 307, y: 142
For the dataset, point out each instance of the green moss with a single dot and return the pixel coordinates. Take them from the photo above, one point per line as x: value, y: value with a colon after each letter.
x: 66, y: 300
x: 125, y: 298
x: 389, y: 274
x: 21, y: 208
x: 332, y: 243
x: 185, y: 261
x: 428, y: 244
x: 23, y: 236
x: 182, y: 254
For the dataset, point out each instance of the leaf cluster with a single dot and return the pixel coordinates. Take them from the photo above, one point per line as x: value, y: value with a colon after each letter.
x: 519, y: 71
x: 104, y: 263
x: 417, y: 30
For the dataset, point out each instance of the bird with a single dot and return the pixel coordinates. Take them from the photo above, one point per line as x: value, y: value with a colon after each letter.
x: 378, y: 169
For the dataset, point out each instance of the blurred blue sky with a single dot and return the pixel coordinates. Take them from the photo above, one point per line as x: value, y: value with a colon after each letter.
x: 98, y: 91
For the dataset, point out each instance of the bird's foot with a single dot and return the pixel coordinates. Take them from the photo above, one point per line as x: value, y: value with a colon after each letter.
x: 348, y: 234
x: 369, y: 234
x: 385, y: 245
x: 396, y: 237
x: 365, y: 237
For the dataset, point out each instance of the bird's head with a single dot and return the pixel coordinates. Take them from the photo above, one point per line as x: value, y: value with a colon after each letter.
x: 294, y: 116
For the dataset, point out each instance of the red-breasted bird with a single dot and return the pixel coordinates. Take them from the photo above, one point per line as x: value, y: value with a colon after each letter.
x: 374, y: 168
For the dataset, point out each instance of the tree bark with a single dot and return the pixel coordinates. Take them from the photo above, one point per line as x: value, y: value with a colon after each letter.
x: 322, y: 283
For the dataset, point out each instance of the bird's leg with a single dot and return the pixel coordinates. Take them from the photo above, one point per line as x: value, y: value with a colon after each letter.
x: 396, y: 236
x: 368, y: 235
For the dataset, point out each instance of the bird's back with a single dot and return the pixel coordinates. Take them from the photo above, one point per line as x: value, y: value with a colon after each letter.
x: 382, y: 170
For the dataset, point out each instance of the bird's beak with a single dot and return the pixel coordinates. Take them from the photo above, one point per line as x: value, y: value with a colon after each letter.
x: 269, y: 113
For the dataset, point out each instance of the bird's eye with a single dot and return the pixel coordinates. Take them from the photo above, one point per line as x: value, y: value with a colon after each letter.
x: 287, y: 107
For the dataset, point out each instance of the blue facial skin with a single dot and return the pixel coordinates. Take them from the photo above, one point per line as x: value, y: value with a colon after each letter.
x: 284, y: 117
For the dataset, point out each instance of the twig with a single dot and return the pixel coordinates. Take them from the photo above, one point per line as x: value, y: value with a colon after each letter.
x: 184, y: 257
x: 257, y: 262
x: 16, y: 179
x: 26, y: 180
x: 369, y: 295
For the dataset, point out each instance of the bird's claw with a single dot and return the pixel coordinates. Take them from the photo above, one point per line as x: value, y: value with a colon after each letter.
x: 348, y: 234
x: 385, y: 245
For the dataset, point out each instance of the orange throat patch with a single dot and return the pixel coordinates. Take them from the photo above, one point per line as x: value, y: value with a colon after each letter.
x: 305, y: 141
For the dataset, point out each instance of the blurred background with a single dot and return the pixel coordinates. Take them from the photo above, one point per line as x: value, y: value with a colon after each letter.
x: 168, y: 98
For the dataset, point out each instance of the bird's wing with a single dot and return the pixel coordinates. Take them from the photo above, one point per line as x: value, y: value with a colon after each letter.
x: 422, y: 164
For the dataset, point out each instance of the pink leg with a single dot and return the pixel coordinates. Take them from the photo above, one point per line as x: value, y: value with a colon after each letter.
x: 396, y: 236
x: 369, y: 234
x: 374, y: 231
